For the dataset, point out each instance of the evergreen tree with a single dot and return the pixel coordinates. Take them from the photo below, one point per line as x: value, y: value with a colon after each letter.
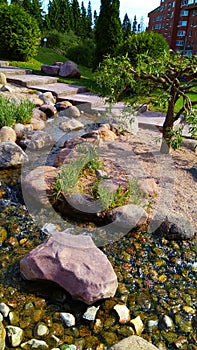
x: 36, y: 12
x: 108, y: 33
x: 126, y: 26
x: 83, y: 33
x: 3, y: 2
x: 134, y: 29
x: 95, y: 19
x: 59, y: 15
x: 76, y: 15
x: 89, y: 19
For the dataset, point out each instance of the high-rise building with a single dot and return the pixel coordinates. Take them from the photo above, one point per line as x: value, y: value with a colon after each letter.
x: 177, y: 21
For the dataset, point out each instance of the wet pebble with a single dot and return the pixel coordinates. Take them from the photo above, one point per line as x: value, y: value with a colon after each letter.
x: 34, y: 344
x: 4, y: 309
x: 90, y: 313
x: 123, y: 313
x: 68, y: 319
x: 14, y: 335
x: 41, y: 330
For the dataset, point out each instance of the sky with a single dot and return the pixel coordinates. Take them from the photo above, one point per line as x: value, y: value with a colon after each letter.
x: 140, y: 8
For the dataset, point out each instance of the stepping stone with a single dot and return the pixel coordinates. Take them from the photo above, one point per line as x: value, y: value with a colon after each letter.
x: 14, y: 71
x: 4, y: 63
x: 58, y: 89
x: 30, y: 80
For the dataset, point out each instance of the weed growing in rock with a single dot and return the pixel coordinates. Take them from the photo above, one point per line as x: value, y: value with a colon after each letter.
x: 12, y: 112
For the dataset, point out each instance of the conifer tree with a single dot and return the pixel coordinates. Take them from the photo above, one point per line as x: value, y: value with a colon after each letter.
x: 89, y: 19
x: 108, y: 33
x: 126, y: 26
x: 134, y: 29
x: 76, y: 15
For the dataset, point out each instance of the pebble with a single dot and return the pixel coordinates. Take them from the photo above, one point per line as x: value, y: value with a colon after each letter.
x: 34, y: 344
x: 90, y: 313
x: 4, y: 309
x: 41, y: 330
x: 138, y: 325
x: 68, y: 318
x: 123, y: 313
x: 167, y: 322
x: 1, y: 317
x: 14, y: 335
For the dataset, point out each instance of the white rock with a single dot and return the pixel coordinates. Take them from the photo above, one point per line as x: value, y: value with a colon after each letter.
x: 123, y: 313
x: 14, y: 335
x: 138, y: 325
x: 34, y: 344
x: 4, y: 309
x: 41, y: 330
x: 68, y: 318
x: 90, y: 313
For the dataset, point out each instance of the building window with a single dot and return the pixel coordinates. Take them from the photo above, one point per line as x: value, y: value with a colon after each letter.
x: 194, y: 12
x: 180, y: 43
x: 181, y: 33
x: 190, y: 33
x: 184, y: 13
x: 182, y: 24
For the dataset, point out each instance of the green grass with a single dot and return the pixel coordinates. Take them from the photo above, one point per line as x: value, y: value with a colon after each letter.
x: 12, y: 113
x: 49, y: 56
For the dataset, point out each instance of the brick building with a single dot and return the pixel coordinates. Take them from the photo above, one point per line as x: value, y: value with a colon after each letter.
x: 177, y: 21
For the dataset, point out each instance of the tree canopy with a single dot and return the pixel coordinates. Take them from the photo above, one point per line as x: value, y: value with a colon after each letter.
x: 116, y: 75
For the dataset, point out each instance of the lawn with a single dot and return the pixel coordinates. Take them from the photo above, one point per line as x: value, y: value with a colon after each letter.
x: 49, y: 56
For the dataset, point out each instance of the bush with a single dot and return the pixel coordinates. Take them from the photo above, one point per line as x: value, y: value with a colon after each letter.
x: 82, y: 54
x: 150, y: 43
x: 19, y: 33
x: 12, y: 113
x: 54, y: 39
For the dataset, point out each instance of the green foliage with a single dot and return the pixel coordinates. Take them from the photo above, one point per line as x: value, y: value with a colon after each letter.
x: 119, y: 197
x: 19, y: 33
x: 12, y: 113
x: 83, y: 53
x: 69, y: 175
x: 150, y: 43
x: 108, y: 31
x: 113, y: 77
x: 54, y: 39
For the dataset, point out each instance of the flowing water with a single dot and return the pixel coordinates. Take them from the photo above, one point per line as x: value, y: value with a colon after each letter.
x: 157, y: 278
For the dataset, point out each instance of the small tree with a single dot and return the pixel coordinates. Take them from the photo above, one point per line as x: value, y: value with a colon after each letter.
x: 19, y: 33
x: 117, y: 75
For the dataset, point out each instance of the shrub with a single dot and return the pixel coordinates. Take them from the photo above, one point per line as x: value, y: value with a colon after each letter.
x: 82, y: 54
x: 54, y: 39
x: 11, y: 113
x: 19, y: 33
x: 150, y: 43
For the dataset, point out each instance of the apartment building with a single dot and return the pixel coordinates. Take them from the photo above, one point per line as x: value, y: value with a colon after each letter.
x: 177, y: 22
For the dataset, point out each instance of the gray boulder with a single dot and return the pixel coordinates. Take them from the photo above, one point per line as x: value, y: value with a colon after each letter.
x: 69, y: 69
x: 40, y: 139
x: 11, y: 155
x: 74, y: 263
x: 175, y: 228
x: 133, y: 343
x: 50, y: 70
x: 128, y: 217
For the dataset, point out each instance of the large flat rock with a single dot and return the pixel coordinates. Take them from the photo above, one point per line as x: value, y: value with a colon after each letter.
x: 13, y: 71
x: 30, y: 80
x: 58, y: 89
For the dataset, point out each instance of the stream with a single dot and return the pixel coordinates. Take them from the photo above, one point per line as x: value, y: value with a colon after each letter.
x: 157, y: 281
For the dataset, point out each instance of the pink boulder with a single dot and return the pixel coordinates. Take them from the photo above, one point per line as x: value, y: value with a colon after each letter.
x: 74, y: 263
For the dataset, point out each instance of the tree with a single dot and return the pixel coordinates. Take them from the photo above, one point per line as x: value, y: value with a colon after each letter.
x: 117, y: 75
x: 126, y: 26
x: 19, y: 33
x: 108, y: 32
x: 59, y: 16
x: 134, y: 28
x: 76, y: 15
x: 150, y: 43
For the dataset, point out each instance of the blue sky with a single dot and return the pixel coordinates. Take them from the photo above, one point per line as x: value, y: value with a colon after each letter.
x: 140, y: 8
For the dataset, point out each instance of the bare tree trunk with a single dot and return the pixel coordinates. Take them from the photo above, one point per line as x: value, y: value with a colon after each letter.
x: 168, y: 124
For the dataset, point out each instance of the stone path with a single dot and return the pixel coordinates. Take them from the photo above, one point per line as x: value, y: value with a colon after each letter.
x: 75, y: 94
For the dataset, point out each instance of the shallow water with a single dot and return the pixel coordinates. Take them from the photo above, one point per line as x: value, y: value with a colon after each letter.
x: 156, y: 278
